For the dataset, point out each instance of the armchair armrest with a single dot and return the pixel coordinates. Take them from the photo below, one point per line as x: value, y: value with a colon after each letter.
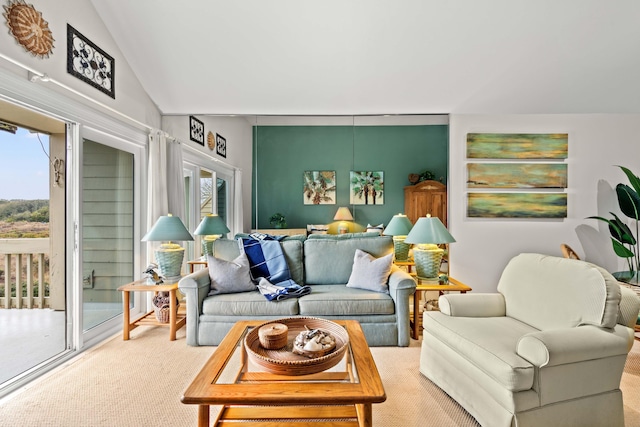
x: 195, y: 287
x: 473, y: 305
x: 569, y: 345
x: 401, y: 287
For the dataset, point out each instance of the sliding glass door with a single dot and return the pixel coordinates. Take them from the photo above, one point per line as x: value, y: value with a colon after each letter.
x: 107, y: 230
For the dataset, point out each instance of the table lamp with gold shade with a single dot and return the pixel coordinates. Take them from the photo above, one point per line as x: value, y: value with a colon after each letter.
x: 343, y: 215
x: 427, y: 233
x: 399, y: 227
x: 169, y: 256
x: 211, y: 228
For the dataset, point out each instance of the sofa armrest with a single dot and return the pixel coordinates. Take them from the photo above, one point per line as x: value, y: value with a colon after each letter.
x: 195, y: 287
x: 401, y: 288
x: 473, y: 305
x: 569, y: 345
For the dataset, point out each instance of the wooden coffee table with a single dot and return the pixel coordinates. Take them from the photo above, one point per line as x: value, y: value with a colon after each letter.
x: 340, y: 396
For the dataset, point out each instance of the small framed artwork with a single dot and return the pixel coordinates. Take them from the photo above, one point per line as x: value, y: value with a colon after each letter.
x: 517, y: 146
x: 89, y: 63
x: 517, y: 205
x: 367, y: 188
x: 221, y: 145
x: 196, y: 130
x: 319, y: 187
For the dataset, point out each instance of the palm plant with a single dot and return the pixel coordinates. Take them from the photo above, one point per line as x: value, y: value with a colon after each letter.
x: 625, y: 243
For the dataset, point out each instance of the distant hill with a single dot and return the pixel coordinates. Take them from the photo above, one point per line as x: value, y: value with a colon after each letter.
x: 24, y: 210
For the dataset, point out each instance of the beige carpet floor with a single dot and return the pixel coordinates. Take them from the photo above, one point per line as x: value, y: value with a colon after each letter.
x: 139, y: 382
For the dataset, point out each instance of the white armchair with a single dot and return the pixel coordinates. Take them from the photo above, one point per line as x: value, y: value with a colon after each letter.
x: 548, y: 348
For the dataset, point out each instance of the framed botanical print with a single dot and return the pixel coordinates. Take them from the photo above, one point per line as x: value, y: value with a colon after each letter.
x: 196, y: 133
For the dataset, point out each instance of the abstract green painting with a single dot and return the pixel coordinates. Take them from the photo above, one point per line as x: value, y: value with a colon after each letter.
x: 516, y: 175
x: 517, y: 205
x: 517, y: 145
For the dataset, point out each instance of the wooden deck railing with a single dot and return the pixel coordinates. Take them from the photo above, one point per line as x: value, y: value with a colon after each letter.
x: 24, y: 271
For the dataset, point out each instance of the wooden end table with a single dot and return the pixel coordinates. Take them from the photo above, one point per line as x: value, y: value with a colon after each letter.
x: 192, y: 264
x: 341, y: 396
x: 433, y: 285
x: 176, y: 321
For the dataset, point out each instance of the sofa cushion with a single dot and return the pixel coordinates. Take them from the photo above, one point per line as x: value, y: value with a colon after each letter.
x: 324, y: 258
x: 292, y: 249
x: 247, y: 304
x: 488, y: 343
x: 548, y: 292
x: 339, y: 300
x: 370, y: 273
x: 229, y: 276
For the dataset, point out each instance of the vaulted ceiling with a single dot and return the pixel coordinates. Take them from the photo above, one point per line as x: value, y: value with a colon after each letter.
x: 335, y: 57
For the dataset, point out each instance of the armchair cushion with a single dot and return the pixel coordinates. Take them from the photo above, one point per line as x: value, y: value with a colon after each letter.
x: 489, y: 342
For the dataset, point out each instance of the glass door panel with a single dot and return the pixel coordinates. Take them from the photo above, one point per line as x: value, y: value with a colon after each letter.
x: 108, y: 232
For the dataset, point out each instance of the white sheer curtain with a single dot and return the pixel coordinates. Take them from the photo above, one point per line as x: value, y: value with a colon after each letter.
x: 166, y: 179
x: 238, y: 219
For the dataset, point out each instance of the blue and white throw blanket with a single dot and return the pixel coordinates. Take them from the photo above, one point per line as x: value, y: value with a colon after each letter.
x: 268, y: 267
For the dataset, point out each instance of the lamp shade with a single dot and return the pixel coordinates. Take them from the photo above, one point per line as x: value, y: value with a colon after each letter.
x: 211, y: 227
x: 399, y: 225
x: 343, y: 214
x: 167, y: 228
x: 429, y: 230
x: 211, y: 224
x: 427, y: 233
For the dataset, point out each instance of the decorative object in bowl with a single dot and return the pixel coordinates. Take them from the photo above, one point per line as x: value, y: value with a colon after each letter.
x: 284, y: 361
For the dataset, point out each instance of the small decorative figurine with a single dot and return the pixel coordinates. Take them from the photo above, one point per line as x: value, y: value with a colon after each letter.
x: 443, y: 279
x: 153, y: 274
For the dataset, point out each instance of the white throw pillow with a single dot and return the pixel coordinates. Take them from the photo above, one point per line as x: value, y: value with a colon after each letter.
x: 370, y: 273
x: 229, y: 277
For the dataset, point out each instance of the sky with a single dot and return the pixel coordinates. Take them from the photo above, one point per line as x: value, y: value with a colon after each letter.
x: 24, y: 167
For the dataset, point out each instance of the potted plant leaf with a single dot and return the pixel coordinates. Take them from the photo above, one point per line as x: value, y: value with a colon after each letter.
x: 625, y: 242
x: 277, y: 220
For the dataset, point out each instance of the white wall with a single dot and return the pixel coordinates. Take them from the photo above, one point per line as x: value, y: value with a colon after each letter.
x: 238, y: 133
x: 596, y: 144
x: 131, y: 98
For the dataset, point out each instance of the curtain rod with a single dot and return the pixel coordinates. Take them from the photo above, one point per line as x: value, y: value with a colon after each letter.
x: 35, y: 75
x: 194, y: 150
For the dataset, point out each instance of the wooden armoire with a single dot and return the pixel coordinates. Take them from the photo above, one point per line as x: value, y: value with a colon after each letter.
x: 426, y: 197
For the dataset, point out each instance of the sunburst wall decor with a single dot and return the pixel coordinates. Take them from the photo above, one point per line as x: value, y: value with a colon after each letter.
x: 29, y: 28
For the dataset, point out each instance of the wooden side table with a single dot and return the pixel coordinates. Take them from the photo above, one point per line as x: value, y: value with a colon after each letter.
x: 202, y: 261
x: 431, y: 285
x: 408, y: 264
x: 176, y: 321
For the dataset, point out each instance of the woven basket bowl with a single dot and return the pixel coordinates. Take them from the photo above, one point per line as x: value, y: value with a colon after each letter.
x: 284, y: 361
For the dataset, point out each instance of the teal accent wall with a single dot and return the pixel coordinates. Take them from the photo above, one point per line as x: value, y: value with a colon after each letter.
x: 282, y: 153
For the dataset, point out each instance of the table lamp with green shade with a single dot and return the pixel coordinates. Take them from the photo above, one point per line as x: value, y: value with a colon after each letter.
x: 169, y: 255
x: 211, y: 227
x: 343, y: 215
x: 399, y: 227
x: 427, y: 233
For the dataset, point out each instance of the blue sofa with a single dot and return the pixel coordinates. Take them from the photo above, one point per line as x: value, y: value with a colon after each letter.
x: 324, y: 262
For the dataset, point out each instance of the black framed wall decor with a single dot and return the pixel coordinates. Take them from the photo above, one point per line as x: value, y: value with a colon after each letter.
x: 89, y: 63
x: 221, y: 145
x: 196, y: 130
